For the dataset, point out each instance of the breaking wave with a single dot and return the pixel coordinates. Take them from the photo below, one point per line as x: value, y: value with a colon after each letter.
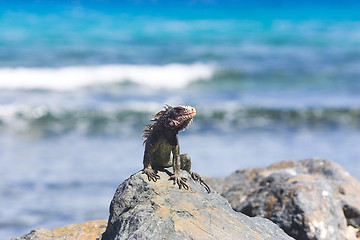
x: 70, y: 78
x: 49, y: 122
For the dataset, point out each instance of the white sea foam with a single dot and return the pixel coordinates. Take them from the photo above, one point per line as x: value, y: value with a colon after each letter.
x: 69, y: 78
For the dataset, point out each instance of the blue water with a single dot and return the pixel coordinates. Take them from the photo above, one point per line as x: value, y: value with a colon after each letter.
x: 271, y: 80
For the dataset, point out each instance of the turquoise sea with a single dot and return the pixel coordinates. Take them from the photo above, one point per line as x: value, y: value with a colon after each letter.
x: 271, y: 81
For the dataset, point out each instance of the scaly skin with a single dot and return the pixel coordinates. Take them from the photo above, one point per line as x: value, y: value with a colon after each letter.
x: 162, y: 146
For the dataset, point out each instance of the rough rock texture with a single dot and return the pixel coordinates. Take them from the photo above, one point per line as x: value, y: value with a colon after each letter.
x: 160, y: 210
x: 86, y: 231
x: 308, y: 199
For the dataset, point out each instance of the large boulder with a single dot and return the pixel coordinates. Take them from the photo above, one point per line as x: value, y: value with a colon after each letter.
x: 160, y: 210
x: 308, y: 199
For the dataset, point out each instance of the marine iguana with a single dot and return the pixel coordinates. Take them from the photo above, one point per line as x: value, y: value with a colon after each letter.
x: 162, y: 146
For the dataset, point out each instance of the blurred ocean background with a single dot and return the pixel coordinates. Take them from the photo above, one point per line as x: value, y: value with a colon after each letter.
x: 271, y: 80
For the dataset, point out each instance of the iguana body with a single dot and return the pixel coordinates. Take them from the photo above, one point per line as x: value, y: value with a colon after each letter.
x: 162, y: 146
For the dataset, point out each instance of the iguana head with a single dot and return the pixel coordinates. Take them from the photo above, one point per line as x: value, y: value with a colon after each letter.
x: 179, y: 117
x: 173, y: 118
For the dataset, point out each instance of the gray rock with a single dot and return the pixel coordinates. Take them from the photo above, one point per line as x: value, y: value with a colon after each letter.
x: 91, y: 230
x: 308, y: 199
x: 146, y: 210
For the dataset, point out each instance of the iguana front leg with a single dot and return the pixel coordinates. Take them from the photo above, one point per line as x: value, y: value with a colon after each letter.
x: 151, y: 173
x: 181, y: 181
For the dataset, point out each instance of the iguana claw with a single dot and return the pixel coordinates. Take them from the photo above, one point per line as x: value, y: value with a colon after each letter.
x: 197, y: 178
x: 151, y: 174
x: 207, y: 188
x: 181, y: 181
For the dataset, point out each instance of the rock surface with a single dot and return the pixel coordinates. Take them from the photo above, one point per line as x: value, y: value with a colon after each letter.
x: 146, y: 210
x: 86, y: 231
x: 308, y: 199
